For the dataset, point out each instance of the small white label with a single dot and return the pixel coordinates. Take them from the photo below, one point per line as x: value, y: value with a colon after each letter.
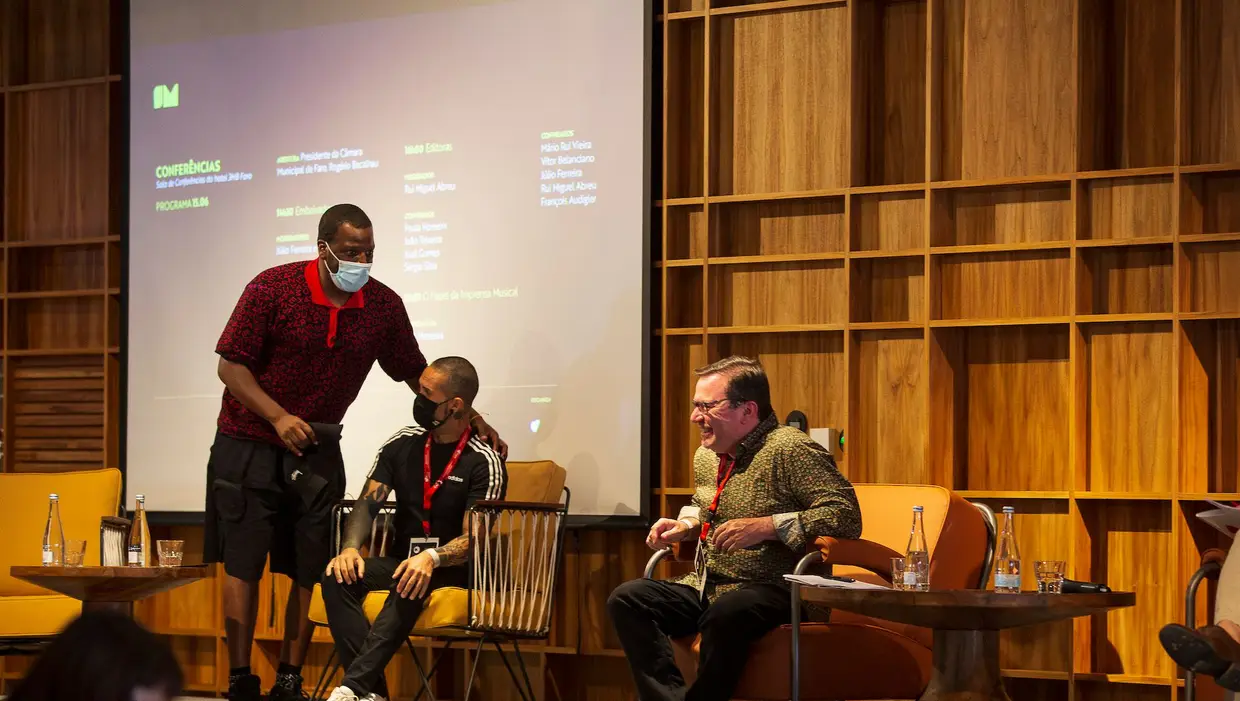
x: 1007, y: 581
x: 910, y: 578
x: 134, y: 555
x: 47, y: 556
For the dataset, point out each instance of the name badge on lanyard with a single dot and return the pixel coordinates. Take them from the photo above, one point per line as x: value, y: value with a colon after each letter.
x: 429, y: 490
x: 726, y: 465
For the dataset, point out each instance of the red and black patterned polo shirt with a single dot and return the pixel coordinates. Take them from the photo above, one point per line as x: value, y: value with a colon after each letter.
x: 310, y: 356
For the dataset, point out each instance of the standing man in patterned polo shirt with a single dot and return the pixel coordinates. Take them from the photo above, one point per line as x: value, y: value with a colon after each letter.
x: 763, y: 493
x: 300, y: 343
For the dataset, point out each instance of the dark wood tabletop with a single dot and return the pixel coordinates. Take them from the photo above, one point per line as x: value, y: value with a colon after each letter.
x: 965, y: 609
x: 108, y: 584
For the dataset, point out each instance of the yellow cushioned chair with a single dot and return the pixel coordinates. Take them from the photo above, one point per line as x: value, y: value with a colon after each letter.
x: 30, y: 614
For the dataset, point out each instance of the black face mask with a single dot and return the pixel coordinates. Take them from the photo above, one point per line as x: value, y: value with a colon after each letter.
x: 424, y: 412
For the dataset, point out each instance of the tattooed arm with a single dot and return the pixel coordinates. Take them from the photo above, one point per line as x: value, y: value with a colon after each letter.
x: 488, y: 481
x: 357, y: 528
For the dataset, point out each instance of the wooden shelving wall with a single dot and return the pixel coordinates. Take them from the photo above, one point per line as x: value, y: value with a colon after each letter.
x: 995, y: 241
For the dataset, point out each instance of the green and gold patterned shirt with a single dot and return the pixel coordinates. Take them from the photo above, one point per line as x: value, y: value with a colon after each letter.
x: 782, y: 473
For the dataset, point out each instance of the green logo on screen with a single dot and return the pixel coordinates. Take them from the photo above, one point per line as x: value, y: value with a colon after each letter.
x: 165, y: 97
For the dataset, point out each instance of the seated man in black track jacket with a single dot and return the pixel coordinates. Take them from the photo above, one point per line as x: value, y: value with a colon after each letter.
x: 440, y: 456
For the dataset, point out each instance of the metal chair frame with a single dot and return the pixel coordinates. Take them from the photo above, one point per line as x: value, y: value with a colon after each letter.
x: 492, y: 635
x: 815, y: 559
x: 1209, y: 570
x: 496, y: 635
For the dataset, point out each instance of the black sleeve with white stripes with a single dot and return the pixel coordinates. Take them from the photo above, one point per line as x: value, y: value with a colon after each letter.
x: 489, y: 479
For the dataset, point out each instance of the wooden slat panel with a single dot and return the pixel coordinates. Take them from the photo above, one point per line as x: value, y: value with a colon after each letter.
x: 56, y: 405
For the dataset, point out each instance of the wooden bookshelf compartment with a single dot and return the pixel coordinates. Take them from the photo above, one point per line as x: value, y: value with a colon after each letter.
x: 998, y: 286
x: 1127, y: 545
x: 1210, y: 407
x: 1008, y: 59
x: 806, y: 371
x: 793, y: 227
x: 889, y: 99
x: 1211, y: 204
x: 1120, y: 690
x: 889, y: 221
x: 1026, y: 689
x: 684, y: 133
x: 888, y: 290
x: 59, y: 268
x: 683, y: 298
x: 1211, y: 278
x: 1129, y: 280
x: 1000, y: 398
x: 1019, y: 214
x: 74, y: 323
x: 1127, y: 100
x: 115, y: 256
x: 1126, y: 208
x: 1043, y: 532
x: 778, y: 294
x: 48, y: 201
x: 686, y: 5
x: 776, y: 126
x: 58, y: 41
x: 686, y: 232
x: 113, y: 313
x: 887, y: 408
x: 682, y: 356
x: 1129, y: 404
x: 57, y: 420
x: 1211, y: 66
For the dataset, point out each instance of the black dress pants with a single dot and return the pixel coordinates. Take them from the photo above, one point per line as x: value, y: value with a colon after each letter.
x: 648, y: 613
x: 365, y: 649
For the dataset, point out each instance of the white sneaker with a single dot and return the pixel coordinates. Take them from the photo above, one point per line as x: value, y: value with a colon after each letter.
x: 344, y: 693
x: 372, y: 696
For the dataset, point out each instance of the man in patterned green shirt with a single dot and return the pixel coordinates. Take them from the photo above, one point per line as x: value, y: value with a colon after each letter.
x: 764, y: 492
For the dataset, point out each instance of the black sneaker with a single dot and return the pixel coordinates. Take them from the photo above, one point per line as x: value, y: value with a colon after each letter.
x: 245, y: 687
x: 287, y: 688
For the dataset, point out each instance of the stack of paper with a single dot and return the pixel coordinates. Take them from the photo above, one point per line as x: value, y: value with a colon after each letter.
x: 810, y: 580
x: 1224, y: 517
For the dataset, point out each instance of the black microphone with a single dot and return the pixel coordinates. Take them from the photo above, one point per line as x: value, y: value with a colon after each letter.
x: 797, y: 420
x: 1071, y: 586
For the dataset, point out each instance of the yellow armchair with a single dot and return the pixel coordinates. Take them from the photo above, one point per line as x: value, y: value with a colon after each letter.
x: 29, y: 613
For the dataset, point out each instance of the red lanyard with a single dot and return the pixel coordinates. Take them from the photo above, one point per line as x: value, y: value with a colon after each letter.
x: 428, y: 489
x: 721, y: 481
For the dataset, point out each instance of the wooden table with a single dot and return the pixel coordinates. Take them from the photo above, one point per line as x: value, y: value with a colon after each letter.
x: 114, y: 588
x: 966, y: 625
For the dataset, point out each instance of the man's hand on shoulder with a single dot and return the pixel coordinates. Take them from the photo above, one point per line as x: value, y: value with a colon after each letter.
x: 666, y: 531
x: 489, y: 434
x: 295, y: 433
x: 741, y: 533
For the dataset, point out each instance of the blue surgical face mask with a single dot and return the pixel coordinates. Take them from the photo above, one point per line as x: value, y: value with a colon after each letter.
x: 349, y: 276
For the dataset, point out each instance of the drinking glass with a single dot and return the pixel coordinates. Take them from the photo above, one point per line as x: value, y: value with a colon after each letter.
x: 170, y: 552
x: 897, y: 573
x: 75, y: 550
x: 1050, y: 576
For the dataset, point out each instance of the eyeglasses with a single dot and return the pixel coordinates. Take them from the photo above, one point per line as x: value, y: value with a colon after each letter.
x: 705, y: 407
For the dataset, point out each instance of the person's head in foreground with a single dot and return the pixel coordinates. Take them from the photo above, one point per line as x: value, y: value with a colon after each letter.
x: 103, y: 656
x: 446, y: 394
x: 346, y: 246
x: 732, y: 397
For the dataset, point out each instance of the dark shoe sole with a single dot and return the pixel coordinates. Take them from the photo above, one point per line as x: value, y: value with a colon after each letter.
x: 1193, y: 652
